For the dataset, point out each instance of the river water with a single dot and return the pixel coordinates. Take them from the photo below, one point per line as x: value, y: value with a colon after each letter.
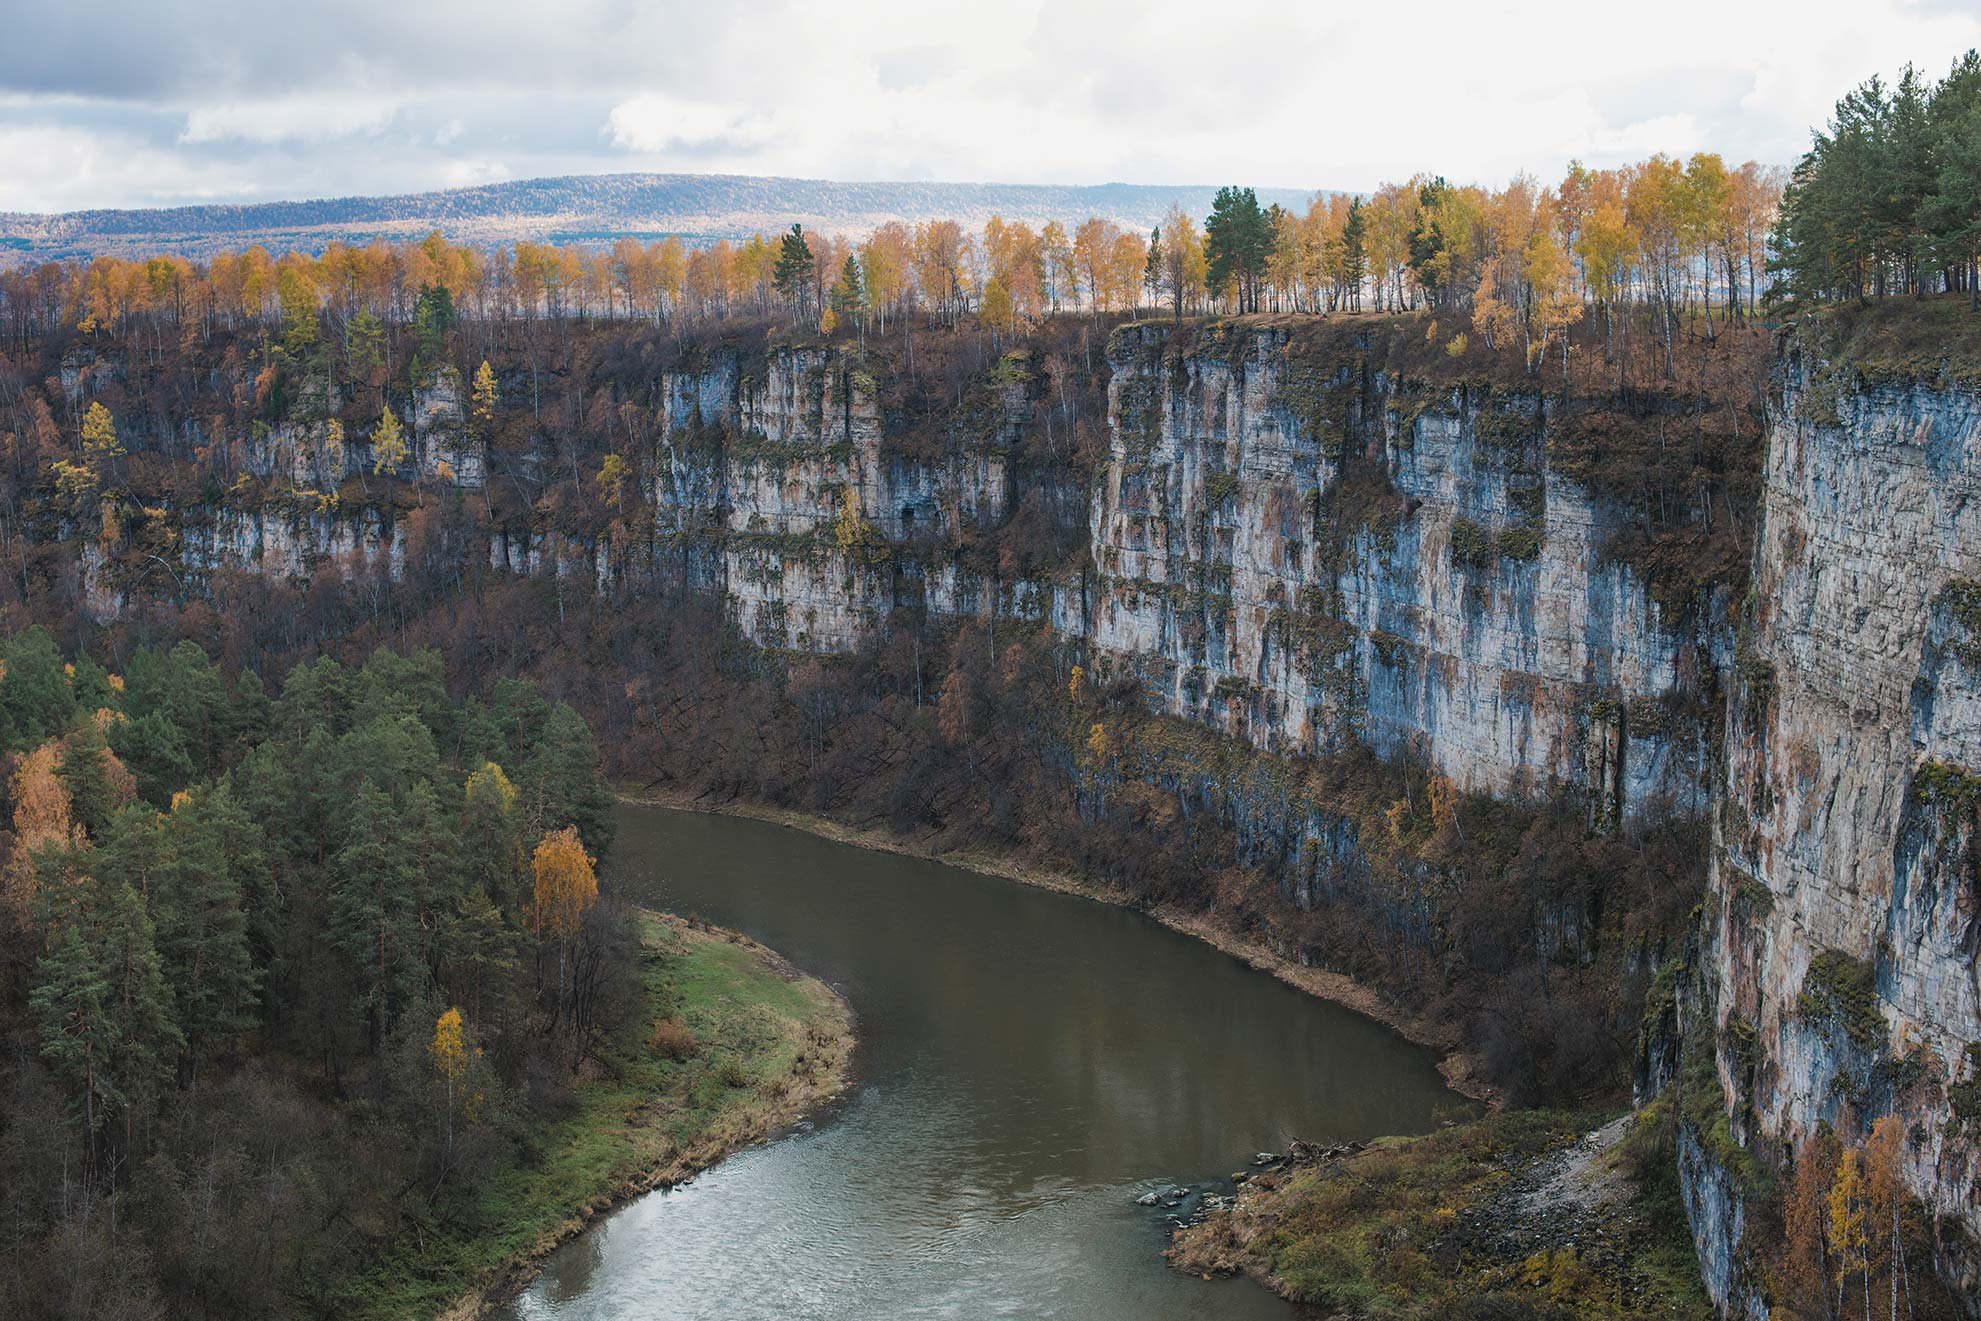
x: 1029, y: 1063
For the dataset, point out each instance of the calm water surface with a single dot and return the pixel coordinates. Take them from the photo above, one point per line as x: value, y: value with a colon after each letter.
x: 1029, y: 1063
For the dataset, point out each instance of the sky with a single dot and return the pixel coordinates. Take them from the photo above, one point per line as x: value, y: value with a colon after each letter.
x: 157, y: 102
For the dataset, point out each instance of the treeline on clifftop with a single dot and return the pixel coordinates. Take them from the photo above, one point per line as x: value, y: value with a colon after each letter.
x: 1888, y: 200
x: 283, y: 975
x: 1517, y: 265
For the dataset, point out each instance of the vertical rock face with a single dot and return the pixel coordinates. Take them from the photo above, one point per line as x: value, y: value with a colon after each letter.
x: 1306, y: 553
x: 785, y: 471
x: 1284, y: 545
x: 1845, y: 910
x: 292, y: 546
x: 441, y: 443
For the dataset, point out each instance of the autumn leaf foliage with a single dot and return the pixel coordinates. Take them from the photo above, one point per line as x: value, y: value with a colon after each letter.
x: 566, y: 884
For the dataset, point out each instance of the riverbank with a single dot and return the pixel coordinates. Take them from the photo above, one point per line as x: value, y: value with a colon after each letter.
x: 1458, y: 1066
x: 1530, y: 1213
x: 742, y: 1047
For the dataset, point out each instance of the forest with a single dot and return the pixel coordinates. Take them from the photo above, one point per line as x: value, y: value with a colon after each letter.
x: 285, y: 974
x: 1888, y: 200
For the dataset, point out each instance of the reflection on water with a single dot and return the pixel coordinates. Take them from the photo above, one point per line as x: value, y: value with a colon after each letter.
x: 1029, y: 1063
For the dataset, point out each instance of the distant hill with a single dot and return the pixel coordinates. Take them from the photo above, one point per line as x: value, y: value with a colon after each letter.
x: 591, y: 208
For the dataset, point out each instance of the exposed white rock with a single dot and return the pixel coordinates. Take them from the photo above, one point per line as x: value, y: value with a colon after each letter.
x: 1853, y: 732
x: 1512, y: 676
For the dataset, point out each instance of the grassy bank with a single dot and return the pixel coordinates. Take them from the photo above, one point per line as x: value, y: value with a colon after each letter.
x: 744, y: 1046
x: 1530, y: 1214
x: 1459, y: 1068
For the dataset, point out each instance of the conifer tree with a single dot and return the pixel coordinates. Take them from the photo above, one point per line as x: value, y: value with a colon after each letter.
x: 372, y: 911
x: 1237, y: 237
x: 202, y: 935
x: 797, y: 270
x: 849, y: 292
x: 563, y: 783
x: 491, y: 837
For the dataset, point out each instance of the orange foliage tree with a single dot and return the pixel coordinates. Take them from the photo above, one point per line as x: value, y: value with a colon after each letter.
x: 566, y: 884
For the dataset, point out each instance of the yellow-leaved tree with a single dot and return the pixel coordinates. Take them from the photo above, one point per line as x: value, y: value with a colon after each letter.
x: 612, y: 474
x: 452, y: 1058
x: 481, y: 405
x: 566, y: 884
x: 43, y: 816
x: 1849, y: 1239
x: 388, y: 443
x: 449, y: 1049
x: 100, y: 444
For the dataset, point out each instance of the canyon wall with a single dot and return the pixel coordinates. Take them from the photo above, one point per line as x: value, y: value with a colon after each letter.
x: 1297, y: 551
x: 1296, y: 545
x: 1842, y: 923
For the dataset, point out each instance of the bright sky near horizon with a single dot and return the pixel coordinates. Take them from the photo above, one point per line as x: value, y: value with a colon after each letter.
x: 151, y: 102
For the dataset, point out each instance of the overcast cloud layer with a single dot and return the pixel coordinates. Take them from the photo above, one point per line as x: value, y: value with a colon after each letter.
x: 168, y: 101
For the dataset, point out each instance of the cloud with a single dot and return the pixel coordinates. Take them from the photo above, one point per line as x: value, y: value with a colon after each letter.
x: 397, y: 97
x: 461, y: 174
x: 54, y: 167
x: 655, y: 122
x: 290, y: 119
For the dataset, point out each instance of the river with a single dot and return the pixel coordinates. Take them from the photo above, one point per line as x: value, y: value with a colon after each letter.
x: 1029, y: 1064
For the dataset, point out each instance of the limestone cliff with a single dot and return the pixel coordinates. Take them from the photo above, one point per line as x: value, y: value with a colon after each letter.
x: 1309, y: 551
x: 1844, y: 911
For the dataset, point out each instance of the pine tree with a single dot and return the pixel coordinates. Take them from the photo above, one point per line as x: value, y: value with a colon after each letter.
x: 372, y: 911
x: 481, y: 953
x: 155, y: 751
x: 71, y: 1002
x: 433, y: 320
x: 202, y: 935
x: 492, y: 837
x: 99, y: 1003
x: 134, y: 851
x: 36, y: 701
x: 247, y: 714
x: 1237, y: 237
x: 1152, y: 267
x: 436, y: 868
x: 796, y: 271
x: 97, y: 782
x: 1354, y: 253
x: 849, y: 293
x: 562, y: 782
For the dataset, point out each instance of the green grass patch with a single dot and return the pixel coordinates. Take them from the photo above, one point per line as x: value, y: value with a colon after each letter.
x: 764, y: 1034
